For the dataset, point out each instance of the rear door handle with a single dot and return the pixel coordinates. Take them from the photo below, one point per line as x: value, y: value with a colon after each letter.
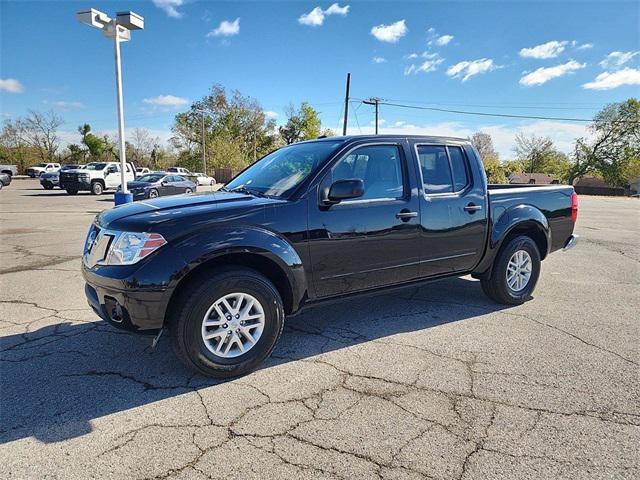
x: 471, y: 208
x: 405, y: 215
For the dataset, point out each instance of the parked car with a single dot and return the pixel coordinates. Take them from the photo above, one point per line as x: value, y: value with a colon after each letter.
x: 10, y: 170
x: 49, y: 180
x: 203, y: 179
x: 95, y: 177
x: 142, y: 171
x: 5, y: 180
x: 179, y: 171
x: 159, y: 184
x: 36, y: 170
x: 311, y: 222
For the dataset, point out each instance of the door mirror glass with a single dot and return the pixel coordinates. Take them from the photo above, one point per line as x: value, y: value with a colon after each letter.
x: 345, y: 190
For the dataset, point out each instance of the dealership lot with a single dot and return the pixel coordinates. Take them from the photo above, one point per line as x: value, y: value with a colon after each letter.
x: 429, y: 382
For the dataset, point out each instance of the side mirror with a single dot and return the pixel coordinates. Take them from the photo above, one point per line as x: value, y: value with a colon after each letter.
x: 345, y: 190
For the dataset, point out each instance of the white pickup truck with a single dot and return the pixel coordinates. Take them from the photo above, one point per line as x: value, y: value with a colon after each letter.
x: 96, y: 177
x: 36, y: 170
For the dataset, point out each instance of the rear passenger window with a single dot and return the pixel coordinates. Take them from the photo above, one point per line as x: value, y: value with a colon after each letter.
x: 434, y: 165
x: 458, y: 164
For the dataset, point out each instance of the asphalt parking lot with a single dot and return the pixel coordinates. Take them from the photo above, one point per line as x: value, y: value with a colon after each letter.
x: 431, y: 382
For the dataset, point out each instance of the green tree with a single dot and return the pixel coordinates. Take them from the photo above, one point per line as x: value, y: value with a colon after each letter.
x: 483, y: 143
x: 613, y: 152
x: 96, y: 147
x: 539, y: 155
x: 236, y: 131
x: 302, y: 124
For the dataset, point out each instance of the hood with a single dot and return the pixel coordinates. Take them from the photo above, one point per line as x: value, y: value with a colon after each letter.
x: 149, y: 215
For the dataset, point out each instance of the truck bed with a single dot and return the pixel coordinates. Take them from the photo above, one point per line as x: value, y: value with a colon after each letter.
x: 554, y: 201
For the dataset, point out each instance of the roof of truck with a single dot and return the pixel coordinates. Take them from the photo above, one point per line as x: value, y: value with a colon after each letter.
x: 424, y: 138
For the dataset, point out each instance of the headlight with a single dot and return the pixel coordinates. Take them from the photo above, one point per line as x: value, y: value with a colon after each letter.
x: 128, y: 248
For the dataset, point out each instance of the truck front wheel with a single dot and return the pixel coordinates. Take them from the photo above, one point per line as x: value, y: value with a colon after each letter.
x: 97, y: 188
x: 515, y: 272
x: 228, y: 324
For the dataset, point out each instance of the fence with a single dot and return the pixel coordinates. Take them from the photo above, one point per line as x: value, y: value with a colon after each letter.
x: 223, y: 175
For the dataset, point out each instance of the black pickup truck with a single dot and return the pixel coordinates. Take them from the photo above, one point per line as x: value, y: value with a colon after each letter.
x: 310, y: 222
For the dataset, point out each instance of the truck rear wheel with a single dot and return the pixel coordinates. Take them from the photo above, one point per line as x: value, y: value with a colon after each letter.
x: 97, y: 188
x: 515, y: 272
x: 228, y: 324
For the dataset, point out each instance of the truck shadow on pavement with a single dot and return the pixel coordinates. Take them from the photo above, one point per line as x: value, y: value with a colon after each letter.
x: 56, y: 380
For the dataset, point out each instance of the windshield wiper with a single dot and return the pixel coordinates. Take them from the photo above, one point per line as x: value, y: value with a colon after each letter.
x: 243, y: 189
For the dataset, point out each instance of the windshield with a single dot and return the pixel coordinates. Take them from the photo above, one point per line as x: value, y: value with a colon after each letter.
x: 280, y: 172
x: 150, y: 177
x: 95, y: 166
x: 43, y: 165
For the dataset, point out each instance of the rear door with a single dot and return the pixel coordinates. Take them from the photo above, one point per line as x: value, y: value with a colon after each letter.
x: 453, y: 210
x: 373, y: 240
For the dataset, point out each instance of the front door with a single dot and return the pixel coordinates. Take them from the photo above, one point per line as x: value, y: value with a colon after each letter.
x: 372, y: 240
x: 113, y: 178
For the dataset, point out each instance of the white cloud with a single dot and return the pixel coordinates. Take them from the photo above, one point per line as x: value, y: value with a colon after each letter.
x: 609, y: 80
x: 315, y: 17
x: 11, y: 85
x: 166, y: 101
x: 547, y: 50
x: 584, y: 46
x: 443, y: 40
x: 469, y: 68
x: 68, y: 105
x: 544, y: 74
x: 270, y: 114
x: 563, y: 134
x: 411, y: 56
x: 427, y: 66
x: 379, y: 60
x: 617, y: 59
x: 226, y: 29
x: 390, y: 33
x: 170, y: 7
x: 336, y: 9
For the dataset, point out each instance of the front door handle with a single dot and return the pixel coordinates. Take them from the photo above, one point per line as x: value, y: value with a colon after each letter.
x: 405, y: 215
x: 472, y: 207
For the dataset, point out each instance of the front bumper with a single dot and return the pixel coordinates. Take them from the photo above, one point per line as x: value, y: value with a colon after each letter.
x: 49, y: 181
x: 75, y: 183
x: 134, y: 297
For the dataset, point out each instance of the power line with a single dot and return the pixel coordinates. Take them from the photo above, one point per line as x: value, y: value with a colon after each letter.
x: 504, y: 115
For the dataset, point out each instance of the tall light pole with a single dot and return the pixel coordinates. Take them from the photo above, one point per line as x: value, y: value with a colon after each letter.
x: 374, y: 101
x: 118, y: 29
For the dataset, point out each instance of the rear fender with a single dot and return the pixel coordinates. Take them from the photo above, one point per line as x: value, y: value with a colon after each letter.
x: 519, y: 216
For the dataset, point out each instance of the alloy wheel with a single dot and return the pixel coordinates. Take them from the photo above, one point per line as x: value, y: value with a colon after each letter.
x: 233, y: 325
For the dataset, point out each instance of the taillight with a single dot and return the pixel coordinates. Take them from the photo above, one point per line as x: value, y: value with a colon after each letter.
x: 574, y: 207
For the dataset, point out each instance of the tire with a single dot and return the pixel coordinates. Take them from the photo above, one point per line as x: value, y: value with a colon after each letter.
x: 188, y: 315
x: 48, y: 186
x: 213, y: 182
x: 97, y: 188
x: 153, y: 193
x: 188, y: 190
x: 497, y: 286
x: 72, y: 191
x: 1, y: 185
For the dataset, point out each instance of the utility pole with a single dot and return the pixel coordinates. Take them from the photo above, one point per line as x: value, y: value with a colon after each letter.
x: 374, y: 101
x: 204, y: 148
x: 204, y: 141
x: 346, y: 106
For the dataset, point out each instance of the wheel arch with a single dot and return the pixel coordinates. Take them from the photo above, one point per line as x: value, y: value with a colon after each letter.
x: 518, y: 220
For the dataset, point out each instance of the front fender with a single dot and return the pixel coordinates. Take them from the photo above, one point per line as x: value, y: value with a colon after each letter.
x: 505, y: 223
x: 217, y: 242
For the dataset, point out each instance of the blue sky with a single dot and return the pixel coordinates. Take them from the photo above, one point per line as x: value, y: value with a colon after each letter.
x: 564, y: 59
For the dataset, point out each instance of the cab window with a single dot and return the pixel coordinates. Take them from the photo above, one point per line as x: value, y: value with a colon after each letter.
x: 378, y: 166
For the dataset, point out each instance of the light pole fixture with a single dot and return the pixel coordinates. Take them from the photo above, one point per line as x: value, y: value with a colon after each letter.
x: 118, y: 29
